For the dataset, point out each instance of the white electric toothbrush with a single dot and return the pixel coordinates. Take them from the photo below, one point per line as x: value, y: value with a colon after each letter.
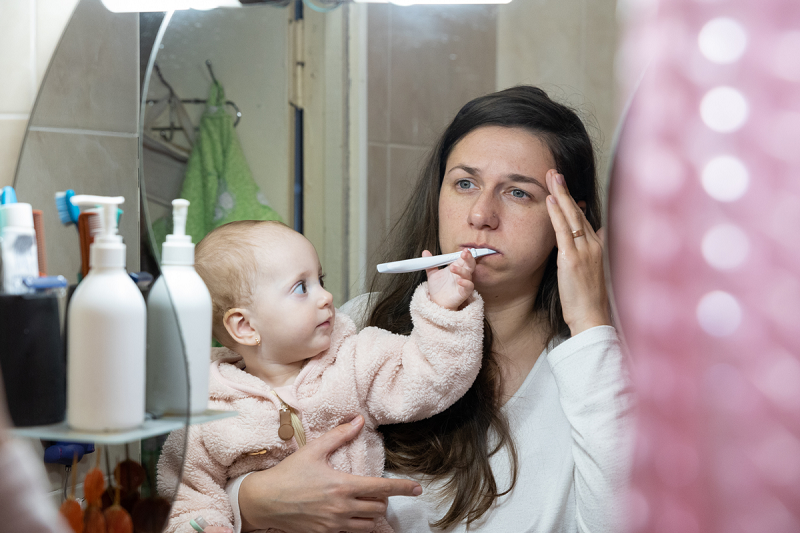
x: 424, y: 263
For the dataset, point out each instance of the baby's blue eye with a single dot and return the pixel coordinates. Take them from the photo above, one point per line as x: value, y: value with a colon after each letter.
x: 300, y: 288
x: 322, y: 281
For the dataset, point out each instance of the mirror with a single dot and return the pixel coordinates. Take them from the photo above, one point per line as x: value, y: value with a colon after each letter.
x: 376, y: 84
x: 83, y: 134
x: 197, y: 48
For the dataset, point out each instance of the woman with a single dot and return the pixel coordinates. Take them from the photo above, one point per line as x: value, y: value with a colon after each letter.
x: 539, y: 442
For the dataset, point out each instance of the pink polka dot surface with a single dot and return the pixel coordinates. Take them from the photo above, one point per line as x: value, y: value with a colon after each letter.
x: 704, y: 250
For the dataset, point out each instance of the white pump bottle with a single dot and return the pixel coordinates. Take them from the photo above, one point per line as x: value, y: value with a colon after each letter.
x: 106, y: 335
x: 178, y: 327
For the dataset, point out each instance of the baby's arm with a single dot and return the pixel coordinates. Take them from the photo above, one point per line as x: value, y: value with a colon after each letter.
x: 200, y: 490
x: 401, y: 378
x: 452, y: 285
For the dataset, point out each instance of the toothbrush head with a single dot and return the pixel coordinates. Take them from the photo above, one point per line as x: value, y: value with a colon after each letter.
x: 8, y: 195
x: 67, y: 212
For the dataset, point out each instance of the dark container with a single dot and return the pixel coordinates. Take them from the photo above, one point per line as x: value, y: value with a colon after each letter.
x: 32, y: 359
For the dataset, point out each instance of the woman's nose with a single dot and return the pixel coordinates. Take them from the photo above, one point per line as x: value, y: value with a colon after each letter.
x: 483, y: 214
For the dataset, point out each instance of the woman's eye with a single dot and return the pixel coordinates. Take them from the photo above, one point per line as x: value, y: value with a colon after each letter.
x: 464, y: 184
x: 517, y: 193
x: 300, y: 288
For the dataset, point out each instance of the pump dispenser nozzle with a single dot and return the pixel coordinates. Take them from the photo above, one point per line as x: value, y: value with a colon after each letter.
x: 180, y: 209
x: 107, y: 249
x: 178, y: 248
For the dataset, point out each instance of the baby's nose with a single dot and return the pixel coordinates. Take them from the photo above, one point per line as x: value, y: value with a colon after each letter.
x: 326, y: 299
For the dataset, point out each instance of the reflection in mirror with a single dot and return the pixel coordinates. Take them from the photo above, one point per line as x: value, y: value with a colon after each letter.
x: 83, y: 135
x: 378, y: 85
x: 83, y: 130
x: 244, y: 52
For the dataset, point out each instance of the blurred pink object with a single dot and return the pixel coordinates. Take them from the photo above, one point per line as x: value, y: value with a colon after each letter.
x: 704, y: 243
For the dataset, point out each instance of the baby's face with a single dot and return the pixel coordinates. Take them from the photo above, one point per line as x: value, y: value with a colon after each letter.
x: 292, y: 311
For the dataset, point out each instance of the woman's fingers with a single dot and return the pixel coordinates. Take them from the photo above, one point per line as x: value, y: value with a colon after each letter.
x: 564, y: 238
x: 303, y: 493
x: 581, y: 283
x: 570, y: 213
x: 381, y: 488
x: 601, y: 234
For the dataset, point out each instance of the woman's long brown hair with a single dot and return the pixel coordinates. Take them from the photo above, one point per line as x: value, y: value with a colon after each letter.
x: 454, y: 447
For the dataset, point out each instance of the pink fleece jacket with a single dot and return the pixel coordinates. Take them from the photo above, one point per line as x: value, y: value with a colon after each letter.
x: 387, y: 378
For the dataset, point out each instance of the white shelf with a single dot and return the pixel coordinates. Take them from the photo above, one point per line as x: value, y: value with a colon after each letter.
x: 150, y: 428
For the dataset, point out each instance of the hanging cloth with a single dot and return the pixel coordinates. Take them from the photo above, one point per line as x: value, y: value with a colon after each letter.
x: 173, y: 105
x: 218, y: 182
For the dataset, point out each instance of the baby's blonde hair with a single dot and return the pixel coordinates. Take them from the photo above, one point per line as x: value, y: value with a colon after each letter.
x: 227, y: 261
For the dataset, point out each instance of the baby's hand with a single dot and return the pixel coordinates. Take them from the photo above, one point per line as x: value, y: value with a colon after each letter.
x: 451, y: 285
x: 217, y: 529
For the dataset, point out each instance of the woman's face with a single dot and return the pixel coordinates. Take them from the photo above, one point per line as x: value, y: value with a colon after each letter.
x: 493, y: 196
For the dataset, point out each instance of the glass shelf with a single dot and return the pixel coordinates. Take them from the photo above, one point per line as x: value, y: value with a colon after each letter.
x: 150, y: 428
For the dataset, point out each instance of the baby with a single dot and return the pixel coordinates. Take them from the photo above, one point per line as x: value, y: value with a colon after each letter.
x: 293, y: 368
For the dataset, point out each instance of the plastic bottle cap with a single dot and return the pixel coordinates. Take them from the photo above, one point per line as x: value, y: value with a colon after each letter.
x: 16, y: 215
x: 107, y: 251
x: 178, y: 248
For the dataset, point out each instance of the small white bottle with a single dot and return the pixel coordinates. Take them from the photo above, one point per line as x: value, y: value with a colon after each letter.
x: 106, y: 335
x: 18, y: 245
x: 178, y: 293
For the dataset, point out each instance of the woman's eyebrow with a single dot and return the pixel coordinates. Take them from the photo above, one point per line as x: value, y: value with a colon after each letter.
x: 519, y: 178
x: 469, y: 170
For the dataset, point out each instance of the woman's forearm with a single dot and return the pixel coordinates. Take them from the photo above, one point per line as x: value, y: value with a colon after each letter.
x: 597, y: 398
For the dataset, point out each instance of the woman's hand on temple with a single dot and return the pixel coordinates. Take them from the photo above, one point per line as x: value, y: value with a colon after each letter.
x: 303, y: 493
x: 581, y: 282
x: 452, y: 285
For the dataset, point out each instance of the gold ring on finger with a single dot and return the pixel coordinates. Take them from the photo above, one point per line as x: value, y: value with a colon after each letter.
x: 577, y: 233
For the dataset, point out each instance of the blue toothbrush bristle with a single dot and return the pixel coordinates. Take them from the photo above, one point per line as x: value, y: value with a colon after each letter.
x: 8, y: 195
x: 67, y: 212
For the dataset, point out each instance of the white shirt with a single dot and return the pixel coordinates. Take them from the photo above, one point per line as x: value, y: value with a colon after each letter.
x: 570, y: 421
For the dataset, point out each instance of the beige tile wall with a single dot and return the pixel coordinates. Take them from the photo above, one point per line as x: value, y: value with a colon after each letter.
x: 423, y: 64
x: 566, y: 47
x: 84, y: 129
x: 29, y: 33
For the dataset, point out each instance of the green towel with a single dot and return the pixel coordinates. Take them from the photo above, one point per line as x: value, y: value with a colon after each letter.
x: 218, y: 182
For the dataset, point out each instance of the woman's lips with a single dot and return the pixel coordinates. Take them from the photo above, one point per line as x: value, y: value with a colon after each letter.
x: 472, y: 245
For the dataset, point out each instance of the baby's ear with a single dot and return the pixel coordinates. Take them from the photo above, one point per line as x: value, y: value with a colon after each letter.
x: 239, y: 328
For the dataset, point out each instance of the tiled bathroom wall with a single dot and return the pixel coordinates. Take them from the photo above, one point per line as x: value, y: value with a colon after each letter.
x: 425, y: 62
x: 83, y: 131
x: 566, y: 47
x: 29, y: 33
